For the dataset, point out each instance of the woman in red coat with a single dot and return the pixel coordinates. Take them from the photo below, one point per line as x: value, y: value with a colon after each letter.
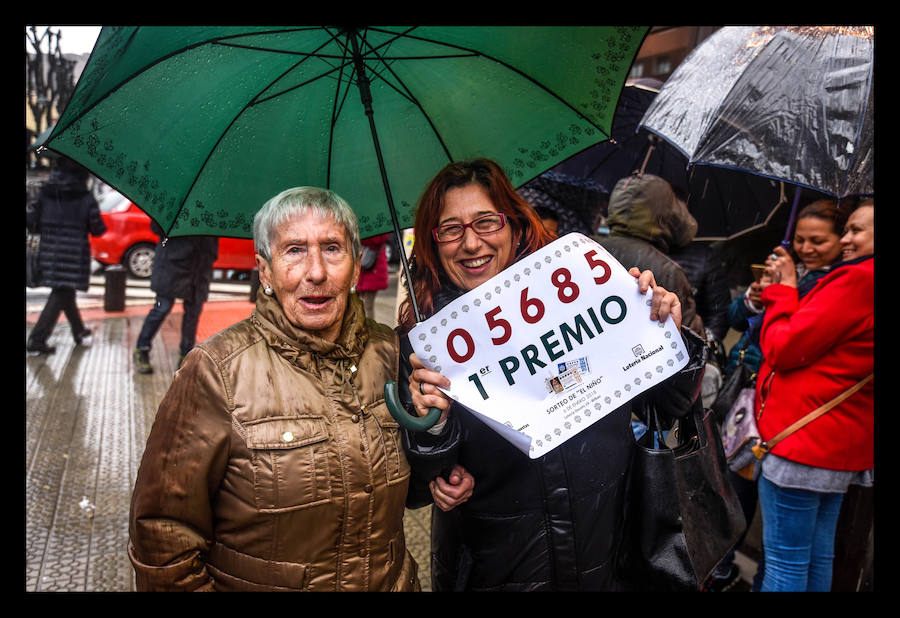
x: 814, y: 349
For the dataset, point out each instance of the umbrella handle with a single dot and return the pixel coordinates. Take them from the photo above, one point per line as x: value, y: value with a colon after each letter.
x: 413, y: 423
x: 788, y: 235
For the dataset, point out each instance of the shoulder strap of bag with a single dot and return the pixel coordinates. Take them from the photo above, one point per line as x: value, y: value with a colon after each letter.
x: 762, y: 448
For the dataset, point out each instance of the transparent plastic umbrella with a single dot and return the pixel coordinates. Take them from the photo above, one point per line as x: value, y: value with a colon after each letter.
x: 793, y: 103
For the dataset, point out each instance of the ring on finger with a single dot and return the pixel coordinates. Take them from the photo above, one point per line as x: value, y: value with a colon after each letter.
x: 421, y: 388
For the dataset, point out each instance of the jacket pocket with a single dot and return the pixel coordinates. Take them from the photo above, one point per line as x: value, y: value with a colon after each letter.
x: 396, y: 466
x: 290, y: 462
x: 236, y: 571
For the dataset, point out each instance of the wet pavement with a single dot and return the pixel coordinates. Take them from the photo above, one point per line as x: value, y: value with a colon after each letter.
x: 87, y: 418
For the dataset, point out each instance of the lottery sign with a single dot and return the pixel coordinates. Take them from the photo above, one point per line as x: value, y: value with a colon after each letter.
x: 550, y: 345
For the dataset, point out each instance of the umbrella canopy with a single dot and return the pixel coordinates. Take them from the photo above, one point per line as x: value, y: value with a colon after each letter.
x: 607, y: 162
x: 726, y: 203
x: 575, y: 201
x: 794, y: 103
x: 199, y: 126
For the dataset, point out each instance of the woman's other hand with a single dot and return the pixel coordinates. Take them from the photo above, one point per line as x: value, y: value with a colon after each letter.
x: 664, y: 303
x: 450, y: 495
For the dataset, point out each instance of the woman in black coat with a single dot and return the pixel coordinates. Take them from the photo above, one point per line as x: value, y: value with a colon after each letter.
x: 504, y: 521
x: 63, y: 214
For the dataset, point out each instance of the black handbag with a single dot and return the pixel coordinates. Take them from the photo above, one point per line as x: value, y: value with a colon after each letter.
x: 32, y: 264
x: 682, y: 515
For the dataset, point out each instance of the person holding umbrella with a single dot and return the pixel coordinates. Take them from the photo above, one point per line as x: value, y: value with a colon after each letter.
x: 817, y: 349
x: 817, y: 246
x: 491, y: 529
x: 273, y: 463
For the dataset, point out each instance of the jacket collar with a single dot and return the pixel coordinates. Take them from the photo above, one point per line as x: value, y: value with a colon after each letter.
x: 293, y: 342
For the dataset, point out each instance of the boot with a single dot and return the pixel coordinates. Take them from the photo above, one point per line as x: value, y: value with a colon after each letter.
x: 35, y: 349
x: 142, y: 361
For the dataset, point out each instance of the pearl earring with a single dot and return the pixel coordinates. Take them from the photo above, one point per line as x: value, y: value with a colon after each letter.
x: 267, y: 290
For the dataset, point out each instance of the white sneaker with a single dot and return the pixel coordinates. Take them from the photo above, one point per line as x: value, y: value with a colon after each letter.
x: 85, y: 338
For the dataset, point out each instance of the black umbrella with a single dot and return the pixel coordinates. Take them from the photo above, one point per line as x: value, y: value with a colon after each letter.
x: 726, y: 203
x: 575, y: 201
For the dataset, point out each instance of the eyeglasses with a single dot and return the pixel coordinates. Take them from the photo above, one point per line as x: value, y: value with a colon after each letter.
x: 485, y: 224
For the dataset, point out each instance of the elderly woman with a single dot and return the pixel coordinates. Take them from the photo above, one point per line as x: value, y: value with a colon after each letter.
x: 504, y: 521
x: 273, y: 463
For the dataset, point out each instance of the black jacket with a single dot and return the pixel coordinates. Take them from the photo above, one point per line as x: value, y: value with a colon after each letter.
x: 63, y: 214
x: 550, y: 523
x: 709, y: 280
x: 182, y: 266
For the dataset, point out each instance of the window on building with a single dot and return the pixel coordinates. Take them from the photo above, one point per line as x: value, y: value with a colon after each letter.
x: 663, y: 65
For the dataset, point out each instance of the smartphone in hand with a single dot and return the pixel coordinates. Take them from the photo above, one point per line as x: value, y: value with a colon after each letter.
x: 758, y: 271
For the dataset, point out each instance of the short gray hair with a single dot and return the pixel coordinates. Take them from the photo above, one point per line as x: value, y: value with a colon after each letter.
x: 296, y: 202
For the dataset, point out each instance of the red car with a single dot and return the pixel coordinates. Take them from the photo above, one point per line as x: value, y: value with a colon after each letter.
x: 130, y: 242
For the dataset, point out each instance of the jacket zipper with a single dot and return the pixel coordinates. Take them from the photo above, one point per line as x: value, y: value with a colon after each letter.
x: 766, y: 388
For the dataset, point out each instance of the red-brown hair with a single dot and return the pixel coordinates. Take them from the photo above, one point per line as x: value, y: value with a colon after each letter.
x: 426, y: 265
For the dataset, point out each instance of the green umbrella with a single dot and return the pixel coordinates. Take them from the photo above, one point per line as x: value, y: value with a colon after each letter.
x: 199, y: 126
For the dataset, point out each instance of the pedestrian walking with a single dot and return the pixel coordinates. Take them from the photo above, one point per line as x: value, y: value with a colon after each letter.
x: 64, y: 213
x: 182, y: 268
x: 274, y: 464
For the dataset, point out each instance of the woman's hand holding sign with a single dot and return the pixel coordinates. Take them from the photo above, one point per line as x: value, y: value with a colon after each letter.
x: 665, y: 303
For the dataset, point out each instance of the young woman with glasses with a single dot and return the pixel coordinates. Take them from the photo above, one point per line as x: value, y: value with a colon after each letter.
x: 504, y: 521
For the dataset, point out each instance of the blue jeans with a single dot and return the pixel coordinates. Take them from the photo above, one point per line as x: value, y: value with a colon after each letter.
x: 157, y: 316
x: 798, y: 537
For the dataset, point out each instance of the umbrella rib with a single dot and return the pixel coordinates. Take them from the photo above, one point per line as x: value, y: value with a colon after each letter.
x: 337, y: 106
x: 171, y: 54
x: 409, y: 96
x: 345, y: 60
x: 859, y: 128
x: 475, y: 52
x: 306, y: 56
x: 253, y: 102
